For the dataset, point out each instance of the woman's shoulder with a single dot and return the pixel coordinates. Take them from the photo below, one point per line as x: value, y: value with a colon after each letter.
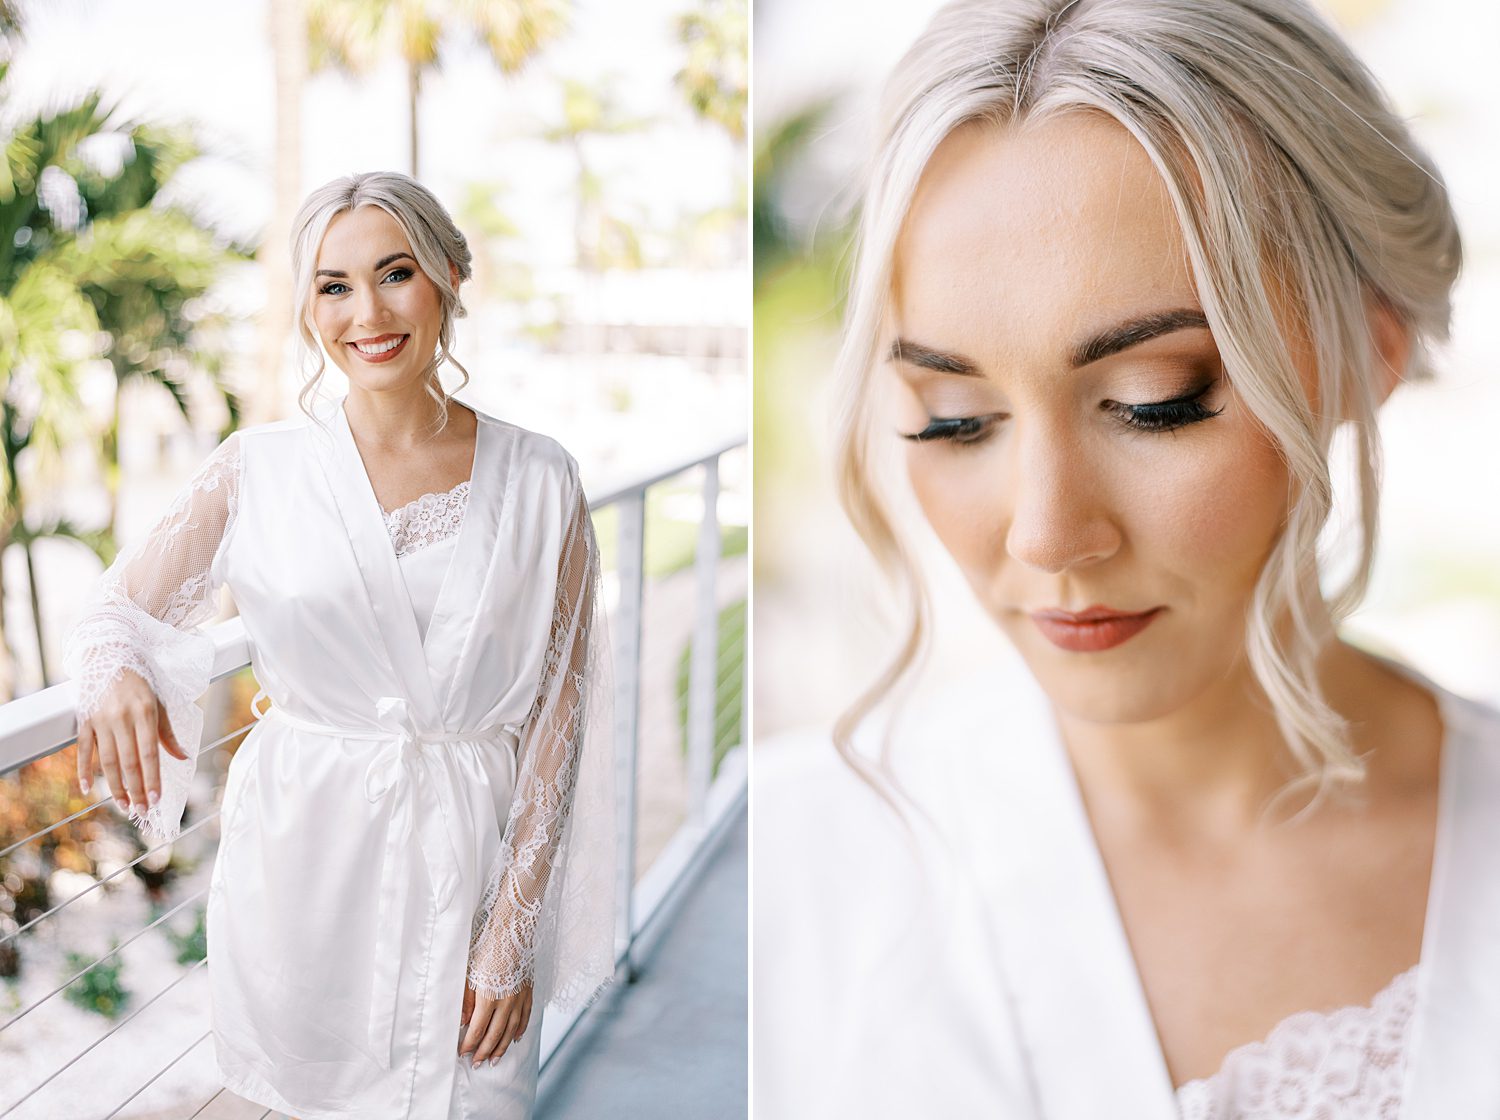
x: 981, y: 728
x: 531, y: 446
x: 1471, y: 723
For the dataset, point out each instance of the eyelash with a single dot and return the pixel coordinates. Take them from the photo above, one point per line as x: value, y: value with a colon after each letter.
x: 1158, y: 416
x: 325, y: 289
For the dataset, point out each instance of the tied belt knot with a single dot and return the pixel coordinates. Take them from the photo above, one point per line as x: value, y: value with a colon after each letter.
x: 421, y: 809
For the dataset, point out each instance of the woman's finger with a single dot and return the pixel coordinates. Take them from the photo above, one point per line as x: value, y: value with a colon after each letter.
x: 108, y: 761
x: 128, y: 758
x: 486, y: 1048
x: 509, y: 1034
x: 479, y: 1021
x: 525, y: 1014
x: 167, y: 736
x: 85, y: 755
x: 150, y: 761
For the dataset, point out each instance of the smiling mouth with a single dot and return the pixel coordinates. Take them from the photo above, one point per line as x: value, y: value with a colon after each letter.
x: 380, y: 349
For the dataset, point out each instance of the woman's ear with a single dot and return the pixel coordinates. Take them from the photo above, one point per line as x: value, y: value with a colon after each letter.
x: 1392, y: 337
x: 453, y: 275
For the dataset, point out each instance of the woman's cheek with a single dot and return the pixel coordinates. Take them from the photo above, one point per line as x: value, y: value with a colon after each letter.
x: 964, y: 506
x: 1214, y: 511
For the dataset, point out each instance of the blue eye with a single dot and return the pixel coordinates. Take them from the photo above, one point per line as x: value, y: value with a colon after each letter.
x: 396, y: 275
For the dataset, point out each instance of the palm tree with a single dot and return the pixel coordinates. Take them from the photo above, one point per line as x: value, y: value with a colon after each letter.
x: 90, y: 269
x: 353, y: 35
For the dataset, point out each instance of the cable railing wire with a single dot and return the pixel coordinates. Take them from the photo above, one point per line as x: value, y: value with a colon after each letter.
x: 97, y: 883
x: 37, y: 1003
x: 192, y: 968
x: 191, y: 1046
x: 108, y: 798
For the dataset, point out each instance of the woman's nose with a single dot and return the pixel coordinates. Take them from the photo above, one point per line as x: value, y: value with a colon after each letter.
x: 370, y: 309
x: 1059, y: 515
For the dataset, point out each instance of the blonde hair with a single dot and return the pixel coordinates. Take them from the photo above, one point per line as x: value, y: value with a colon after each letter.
x: 435, y: 242
x: 1286, y: 167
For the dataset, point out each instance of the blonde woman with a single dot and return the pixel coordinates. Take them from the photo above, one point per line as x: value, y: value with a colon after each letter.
x: 416, y: 852
x: 1125, y: 268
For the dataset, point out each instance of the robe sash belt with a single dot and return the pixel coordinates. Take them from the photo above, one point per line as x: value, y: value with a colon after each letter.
x: 420, y: 809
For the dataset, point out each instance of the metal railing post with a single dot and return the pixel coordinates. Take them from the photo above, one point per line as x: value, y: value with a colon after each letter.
x: 631, y: 544
x: 703, y: 668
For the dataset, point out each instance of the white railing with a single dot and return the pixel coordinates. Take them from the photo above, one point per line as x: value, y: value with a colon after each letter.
x: 35, y: 726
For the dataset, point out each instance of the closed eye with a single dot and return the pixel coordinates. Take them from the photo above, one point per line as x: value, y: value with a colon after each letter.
x: 1165, y: 416
x: 957, y: 429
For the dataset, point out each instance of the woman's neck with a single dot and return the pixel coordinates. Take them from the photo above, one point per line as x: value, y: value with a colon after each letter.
x: 1212, y: 766
x: 399, y: 419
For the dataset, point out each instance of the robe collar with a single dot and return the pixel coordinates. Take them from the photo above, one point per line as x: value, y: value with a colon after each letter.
x: 1078, y: 1004
x: 425, y: 670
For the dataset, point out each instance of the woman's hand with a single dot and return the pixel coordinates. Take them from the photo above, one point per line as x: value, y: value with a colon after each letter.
x: 493, y: 1024
x: 124, y: 731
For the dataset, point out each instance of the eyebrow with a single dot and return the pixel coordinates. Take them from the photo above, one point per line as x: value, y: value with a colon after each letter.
x: 381, y: 263
x: 1112, y: 340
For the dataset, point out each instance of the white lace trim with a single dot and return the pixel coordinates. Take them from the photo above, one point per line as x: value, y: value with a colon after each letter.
x: 1315, y: 1065
x: 428, y: 519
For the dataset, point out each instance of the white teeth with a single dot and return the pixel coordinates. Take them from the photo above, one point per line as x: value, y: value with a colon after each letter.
x: 379, y: 347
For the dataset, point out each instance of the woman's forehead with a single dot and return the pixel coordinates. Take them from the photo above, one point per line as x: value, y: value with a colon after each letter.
x: 1018, y: 234
x: 353, y: 235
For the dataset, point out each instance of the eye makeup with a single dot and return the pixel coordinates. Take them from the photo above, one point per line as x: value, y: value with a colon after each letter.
x: 1155, y: 416
x: 1168, y: 415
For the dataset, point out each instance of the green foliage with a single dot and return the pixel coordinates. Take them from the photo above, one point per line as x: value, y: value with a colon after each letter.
x: 91, y: 267
x: 191, y: 946
x: 777, y: 150
x: 716, y: 77
x: 100, y: 989
x: 729, y: 687
x: 353, y: 35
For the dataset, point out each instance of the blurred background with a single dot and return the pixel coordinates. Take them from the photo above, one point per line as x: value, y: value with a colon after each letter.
x: 595, y: 156
x: 821, y: 617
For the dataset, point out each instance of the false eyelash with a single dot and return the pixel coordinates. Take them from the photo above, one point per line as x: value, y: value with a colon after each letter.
x: 956, y: 429
x: 1158, y: 416
x: 1166, y: 416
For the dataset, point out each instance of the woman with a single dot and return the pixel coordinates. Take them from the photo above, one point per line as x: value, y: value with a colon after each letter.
x: 1125, y: 268
x: 417, y: 841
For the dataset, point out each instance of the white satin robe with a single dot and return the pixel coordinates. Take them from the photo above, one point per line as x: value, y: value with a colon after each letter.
x: 338, y: 926
x: 988, y: 975
x: 364, y: 815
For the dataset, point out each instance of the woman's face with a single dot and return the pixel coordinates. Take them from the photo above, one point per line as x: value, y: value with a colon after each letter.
x: 1080, y: 447
x: 375, y: 310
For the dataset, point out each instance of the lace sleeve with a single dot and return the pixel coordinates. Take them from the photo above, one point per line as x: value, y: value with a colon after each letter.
x: 142, y: 614
x: 548, y: 911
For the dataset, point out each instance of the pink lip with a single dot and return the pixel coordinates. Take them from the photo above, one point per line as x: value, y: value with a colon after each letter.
x: 387, y: 356
x: 1092, y: 630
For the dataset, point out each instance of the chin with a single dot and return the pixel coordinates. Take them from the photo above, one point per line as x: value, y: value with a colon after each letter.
x: 1121, y: 686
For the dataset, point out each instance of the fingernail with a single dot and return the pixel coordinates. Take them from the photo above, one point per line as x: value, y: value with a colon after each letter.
x: 85, y: 785
x: 123, y: 804
x: 153, y: 797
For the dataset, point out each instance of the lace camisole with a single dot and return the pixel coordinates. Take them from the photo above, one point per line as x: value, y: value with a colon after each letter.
x: 1340, y: 1065
x: 424, y: 533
